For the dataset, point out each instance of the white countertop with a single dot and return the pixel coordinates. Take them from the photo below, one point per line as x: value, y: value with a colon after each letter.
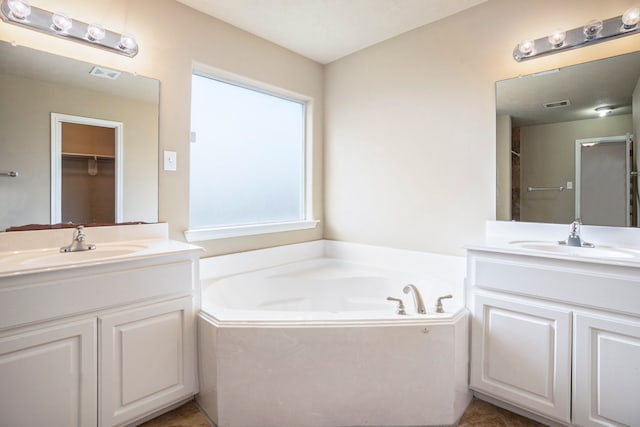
x: 28, y: 252
x: 613, y: 245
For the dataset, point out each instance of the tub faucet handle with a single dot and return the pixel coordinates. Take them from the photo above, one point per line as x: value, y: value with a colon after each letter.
x: 400, y: 305
x: 439, y: 308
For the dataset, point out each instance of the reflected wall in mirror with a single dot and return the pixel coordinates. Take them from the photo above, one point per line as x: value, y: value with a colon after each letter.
x: 35, y: 85
x: 556, y: 156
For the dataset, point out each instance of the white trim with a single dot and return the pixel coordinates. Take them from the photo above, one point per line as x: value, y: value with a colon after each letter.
x: 212, y: 233
x: 56, y: 160
x: 579, y: 143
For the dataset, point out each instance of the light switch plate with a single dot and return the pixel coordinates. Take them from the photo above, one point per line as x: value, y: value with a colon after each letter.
x: 170, y: 160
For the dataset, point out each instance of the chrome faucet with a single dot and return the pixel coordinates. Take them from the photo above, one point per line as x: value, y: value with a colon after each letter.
x: 574, y: 236
x: 417, y: 298
x: 79, y: 242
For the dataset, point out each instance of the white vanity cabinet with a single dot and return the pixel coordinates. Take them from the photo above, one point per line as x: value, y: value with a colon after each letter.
x: 48, y: 376
x: 522, y: 352
x: 606, y: 370
x: 557, y: 337
x: 147, y: 358
x: 103, y: 342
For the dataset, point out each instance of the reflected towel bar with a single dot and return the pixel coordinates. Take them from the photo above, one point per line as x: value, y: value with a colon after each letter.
x: 561, y: 188
x: 12, y: 174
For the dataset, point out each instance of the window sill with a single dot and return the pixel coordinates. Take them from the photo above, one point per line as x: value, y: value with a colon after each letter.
x: 200, y: 234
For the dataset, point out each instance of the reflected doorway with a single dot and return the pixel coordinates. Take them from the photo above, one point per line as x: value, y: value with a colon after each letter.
x: 603, y: 181
x: 86, y: 170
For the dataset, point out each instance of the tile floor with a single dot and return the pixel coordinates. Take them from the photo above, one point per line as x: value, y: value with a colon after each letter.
x: 478, y: 414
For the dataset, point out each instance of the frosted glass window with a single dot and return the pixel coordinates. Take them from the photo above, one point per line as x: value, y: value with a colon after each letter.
x: 248, y: 158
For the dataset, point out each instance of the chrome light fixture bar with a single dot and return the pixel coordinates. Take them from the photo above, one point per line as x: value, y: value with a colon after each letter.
x: 19, y: 12
x: 592, y: 32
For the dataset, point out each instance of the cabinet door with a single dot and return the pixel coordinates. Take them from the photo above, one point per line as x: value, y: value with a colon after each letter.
x: 147, y: 360
x: 48, y: 377
x: 521, y: 353
x: 606, y: 371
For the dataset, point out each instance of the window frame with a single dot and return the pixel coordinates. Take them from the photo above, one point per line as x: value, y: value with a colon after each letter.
x: 195, y: 234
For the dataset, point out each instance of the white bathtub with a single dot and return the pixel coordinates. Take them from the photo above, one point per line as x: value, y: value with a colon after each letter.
x: 313, y: 341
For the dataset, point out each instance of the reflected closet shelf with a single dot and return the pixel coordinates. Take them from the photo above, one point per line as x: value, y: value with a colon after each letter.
x: 87, y: 155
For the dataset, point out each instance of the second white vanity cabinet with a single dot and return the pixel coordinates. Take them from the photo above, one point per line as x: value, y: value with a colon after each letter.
x: 522, y: 352
x: 606, y: 370
x: 556, y: 336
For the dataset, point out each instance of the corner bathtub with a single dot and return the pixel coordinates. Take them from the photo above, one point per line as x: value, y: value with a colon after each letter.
x: 314, y: 342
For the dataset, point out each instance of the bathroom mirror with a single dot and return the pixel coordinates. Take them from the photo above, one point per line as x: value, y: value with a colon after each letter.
x: 39, y: 92
x: 551, y: 129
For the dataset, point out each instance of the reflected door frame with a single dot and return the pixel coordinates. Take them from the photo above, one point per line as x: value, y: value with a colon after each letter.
x: 578, y: 167
x: 56, y: 160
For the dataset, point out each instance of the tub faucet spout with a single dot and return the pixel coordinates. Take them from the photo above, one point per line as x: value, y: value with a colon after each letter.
x: 417, y: 298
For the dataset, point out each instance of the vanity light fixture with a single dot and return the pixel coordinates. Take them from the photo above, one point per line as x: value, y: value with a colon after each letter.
x: 592, y: 32
x: 19, y: 12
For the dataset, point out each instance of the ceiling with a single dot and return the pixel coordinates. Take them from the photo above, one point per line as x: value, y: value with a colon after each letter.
x: 326, y: 30
x: 607, y: 82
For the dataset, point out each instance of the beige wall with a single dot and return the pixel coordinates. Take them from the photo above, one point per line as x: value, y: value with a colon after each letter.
x: 26, y: 147
x: 503, y: 161
x: 171, y: 37
x: 410, y: 123
x: 410, y: 127
x: 547, y: 159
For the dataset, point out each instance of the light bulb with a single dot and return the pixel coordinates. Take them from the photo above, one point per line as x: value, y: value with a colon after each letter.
x: 557, y: 38
x: 592, y: 29
x: 630, y: 18
x: 127, y: 42
x: 19, y: 9
x: 95, y: 33
x: 526, y: 47
x: 603, y: 111
x: 61, y: 22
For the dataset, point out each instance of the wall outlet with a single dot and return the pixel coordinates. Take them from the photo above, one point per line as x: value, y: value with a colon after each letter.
x: 170, y: 160
x: 569, y: 185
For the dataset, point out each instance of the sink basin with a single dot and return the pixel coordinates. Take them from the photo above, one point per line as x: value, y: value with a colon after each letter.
x: 556, y: 248
x: 54, y: 256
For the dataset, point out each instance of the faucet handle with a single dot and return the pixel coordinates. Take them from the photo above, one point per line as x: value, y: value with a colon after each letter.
x: 400, y: 305
x: 574, y: 227
x: 79, y: 233
x: 439, y: 308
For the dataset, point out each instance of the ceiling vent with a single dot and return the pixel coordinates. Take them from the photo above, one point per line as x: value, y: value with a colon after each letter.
x: 104, y: 73
x: 557, y: 104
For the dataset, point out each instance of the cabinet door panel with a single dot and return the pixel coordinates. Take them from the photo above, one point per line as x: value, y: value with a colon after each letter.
x: 606, y: 371
x: 147, y: 360
x: 521, y: 353
x: 48, y: 376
